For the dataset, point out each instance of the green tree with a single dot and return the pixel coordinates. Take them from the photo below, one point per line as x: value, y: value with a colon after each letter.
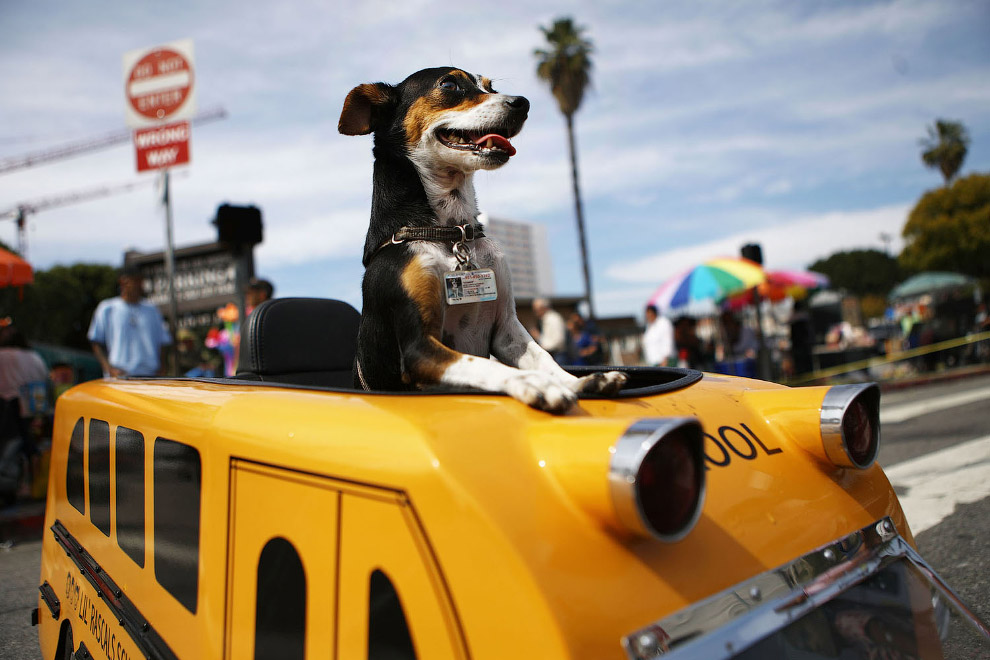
x: 861, y: 272
x: 945, y: 147
x: 949, y: 229
x: 57, y: 308
x: 566, y: 66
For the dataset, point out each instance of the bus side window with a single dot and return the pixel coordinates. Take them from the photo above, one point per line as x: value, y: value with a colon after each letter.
x: 129, y: 469
x: 75, y: 484
x: 280, y: 608
x: 99, y: 475
x: 177, y: 481
x: 388, y: 631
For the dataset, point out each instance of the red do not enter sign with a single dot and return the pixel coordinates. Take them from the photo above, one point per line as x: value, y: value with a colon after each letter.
x: 159, y: 84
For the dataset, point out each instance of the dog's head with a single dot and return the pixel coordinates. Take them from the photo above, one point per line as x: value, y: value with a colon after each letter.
x: 443, y: 116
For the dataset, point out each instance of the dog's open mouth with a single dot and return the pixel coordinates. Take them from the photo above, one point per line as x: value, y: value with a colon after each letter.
x: 476, y: 141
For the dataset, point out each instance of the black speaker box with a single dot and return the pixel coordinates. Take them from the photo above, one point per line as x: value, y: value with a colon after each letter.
x: 753, y: 252
x: 238, y: 225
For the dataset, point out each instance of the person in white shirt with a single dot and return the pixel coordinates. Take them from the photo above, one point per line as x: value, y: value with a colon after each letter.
x: 19, y: 366
x: 552, y: 333
x: 22, y: 373
x: 658, y: 340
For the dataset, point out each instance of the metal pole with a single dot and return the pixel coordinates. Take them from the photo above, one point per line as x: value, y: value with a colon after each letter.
x: 242, y: 274
x: 173, y: 307
x: 22, y: 232
x: 579, y: 212
x: 764, y: 370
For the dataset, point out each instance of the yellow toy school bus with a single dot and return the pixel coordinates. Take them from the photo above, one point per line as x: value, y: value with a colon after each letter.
x: 284, y: 515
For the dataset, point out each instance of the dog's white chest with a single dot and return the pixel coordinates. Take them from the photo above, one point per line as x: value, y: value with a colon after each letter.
x: 468, y: 327
x: 483, y: 254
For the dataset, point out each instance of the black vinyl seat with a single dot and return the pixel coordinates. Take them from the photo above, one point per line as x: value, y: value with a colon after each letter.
x: 300, y: 341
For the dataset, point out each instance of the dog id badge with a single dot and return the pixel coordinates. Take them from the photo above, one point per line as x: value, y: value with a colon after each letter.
x: 469, y: 286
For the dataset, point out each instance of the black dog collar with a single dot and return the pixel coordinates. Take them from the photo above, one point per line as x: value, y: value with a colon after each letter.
x: 454, y: 234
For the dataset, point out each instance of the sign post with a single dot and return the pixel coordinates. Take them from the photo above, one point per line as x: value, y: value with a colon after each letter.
x: 160, y: 91
x: 173, y: 305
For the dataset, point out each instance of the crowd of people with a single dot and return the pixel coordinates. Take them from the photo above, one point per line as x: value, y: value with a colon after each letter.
x: 665, y: 342
x: 676, y: 343
x: 575, y: 342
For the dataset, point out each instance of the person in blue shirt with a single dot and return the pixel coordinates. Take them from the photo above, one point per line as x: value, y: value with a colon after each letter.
x: 584, y: 344
x: 128, y: 333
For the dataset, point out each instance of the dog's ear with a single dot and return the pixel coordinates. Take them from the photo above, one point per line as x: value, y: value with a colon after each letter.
x: 365, y: 108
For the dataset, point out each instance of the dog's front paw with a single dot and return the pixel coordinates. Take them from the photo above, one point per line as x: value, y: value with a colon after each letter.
x: 602, y: 382
x: 541, y: 391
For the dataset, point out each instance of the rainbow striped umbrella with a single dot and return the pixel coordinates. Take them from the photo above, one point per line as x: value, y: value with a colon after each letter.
x: 700, y: 287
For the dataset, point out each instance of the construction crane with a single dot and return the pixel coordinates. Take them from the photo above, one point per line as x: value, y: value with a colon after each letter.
x: 20, y: 212
x: 90, y: 144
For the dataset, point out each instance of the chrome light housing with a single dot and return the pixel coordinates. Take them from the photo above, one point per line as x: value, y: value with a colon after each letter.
x: 850, y: 424
x: 657, y: 477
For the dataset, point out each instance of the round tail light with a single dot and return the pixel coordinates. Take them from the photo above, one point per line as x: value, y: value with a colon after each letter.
x: 657, y: 477
x: 851, y: 424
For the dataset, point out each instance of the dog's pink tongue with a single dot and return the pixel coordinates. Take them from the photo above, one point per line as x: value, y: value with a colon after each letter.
x: 498, y: 142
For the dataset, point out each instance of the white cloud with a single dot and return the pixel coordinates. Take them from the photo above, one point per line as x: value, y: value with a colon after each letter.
x: 334, y: 235
x: 791, y: 245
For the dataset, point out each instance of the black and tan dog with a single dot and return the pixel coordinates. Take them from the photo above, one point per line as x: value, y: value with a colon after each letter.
x: 437, y: 296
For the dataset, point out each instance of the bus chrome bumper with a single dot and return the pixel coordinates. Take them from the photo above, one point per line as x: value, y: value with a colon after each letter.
x: 869, y: 591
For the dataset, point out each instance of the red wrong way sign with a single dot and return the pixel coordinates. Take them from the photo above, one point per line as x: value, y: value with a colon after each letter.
x: 162, y: 146
x: 159, y: 84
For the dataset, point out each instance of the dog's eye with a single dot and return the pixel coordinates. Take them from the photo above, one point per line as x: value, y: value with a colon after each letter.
x: 449, y: 85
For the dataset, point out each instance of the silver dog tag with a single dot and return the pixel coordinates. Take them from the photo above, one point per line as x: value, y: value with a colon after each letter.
x: 469, y: 286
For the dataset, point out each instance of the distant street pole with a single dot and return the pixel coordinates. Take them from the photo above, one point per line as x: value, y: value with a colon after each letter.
x: 764, y: 369
x: 580, y: 218
x: 173, y: 306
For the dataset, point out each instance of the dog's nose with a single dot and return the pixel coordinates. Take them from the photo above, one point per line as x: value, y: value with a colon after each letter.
x: 519, y: 103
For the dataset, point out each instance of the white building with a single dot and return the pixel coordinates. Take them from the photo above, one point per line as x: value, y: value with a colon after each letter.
x: 527, y: 252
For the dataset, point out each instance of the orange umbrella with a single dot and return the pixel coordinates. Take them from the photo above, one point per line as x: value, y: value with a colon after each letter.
x: 781, y: 284
x: 14, y: 271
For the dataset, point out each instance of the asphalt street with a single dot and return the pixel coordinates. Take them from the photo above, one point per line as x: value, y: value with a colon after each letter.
x: 20, y: 566
x: 921, y: 426
x: 917, y: 423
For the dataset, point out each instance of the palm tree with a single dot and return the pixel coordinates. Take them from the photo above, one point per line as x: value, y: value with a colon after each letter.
x: 566, y: 66
x: 945, y: 147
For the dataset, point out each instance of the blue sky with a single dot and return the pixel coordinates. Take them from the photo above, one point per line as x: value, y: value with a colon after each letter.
x: 710, y: 124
